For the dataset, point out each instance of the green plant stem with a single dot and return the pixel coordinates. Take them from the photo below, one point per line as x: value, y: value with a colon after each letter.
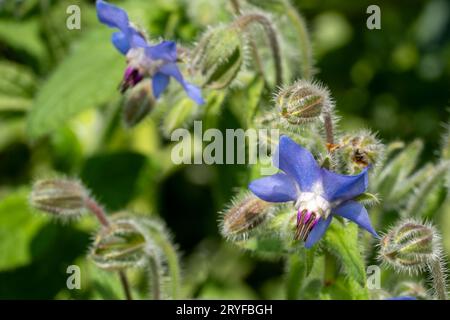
x: 256, y: 57
x: 100, y: 213
x: 155, y: 277
x: 305, y: 42
x: 329, y: 131
x: 244, y: 21
x: 172, y: 259
x: 439, y: 285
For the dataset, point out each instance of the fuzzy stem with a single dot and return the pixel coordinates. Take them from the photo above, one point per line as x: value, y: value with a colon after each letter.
x: 100, y: 213
x: 125, y: 285
x: 329, y: 132
x: 155, y: 278
x: 244, y: 21
x: 257, y: 58
x: 437, y: 272
x: 305, y: 42
x: 97, y: 210
x: 172, y: 259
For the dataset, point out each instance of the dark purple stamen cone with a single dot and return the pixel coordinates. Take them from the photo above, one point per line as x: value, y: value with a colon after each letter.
x: 306, y: 220
x: 131, y: 78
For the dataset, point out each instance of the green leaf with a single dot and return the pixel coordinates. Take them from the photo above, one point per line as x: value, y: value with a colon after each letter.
x: 23, y: 35
x: 299, y: 266
x: 18, y: 226
x: 86, y: 79
x: 342, y: 242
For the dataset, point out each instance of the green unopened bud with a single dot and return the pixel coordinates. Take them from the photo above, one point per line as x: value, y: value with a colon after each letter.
x: 120, y: 245
x: 410, y: 246
x: 138, y: 103
x: 303, y: 102
x: 244, y: 215
x: 62, y: 197
x: 360, y: 149
x: 219, y: 56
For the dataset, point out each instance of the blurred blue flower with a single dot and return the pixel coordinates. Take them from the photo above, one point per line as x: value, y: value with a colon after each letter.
x: 158, y: 62
x: 402, y: 298
x: 318, y: 193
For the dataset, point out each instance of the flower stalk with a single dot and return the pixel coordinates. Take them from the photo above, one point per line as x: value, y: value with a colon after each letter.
x: 436, y: 268
x: 244, y: 21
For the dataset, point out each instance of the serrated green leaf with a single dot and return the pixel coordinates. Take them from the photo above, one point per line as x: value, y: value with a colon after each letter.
x: 342, y: 242
x: 86, y: 79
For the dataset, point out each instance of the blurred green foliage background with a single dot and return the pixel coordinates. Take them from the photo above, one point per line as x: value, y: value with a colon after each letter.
x: 394, y: 81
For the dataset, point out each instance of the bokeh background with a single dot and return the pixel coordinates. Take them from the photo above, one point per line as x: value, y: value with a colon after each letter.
x: 394, y: 81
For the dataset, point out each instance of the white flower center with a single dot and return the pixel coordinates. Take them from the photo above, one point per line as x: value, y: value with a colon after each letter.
x: 137, y: 59
x: 310, y: 209
x: 312, y: 202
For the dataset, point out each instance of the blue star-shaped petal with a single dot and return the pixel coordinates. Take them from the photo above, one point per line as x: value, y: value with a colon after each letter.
x: 318, y: 193
x: 158, y: 62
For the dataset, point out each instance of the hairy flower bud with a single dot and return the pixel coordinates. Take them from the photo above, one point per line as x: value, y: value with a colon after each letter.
x: 120, y: 245
x: 138, y: 103
x: 303, y: 102
x: 360, y: 149
x: 62, y: 197
x: 410, y: 246
x: 219, y: 56
x: 245, y: 214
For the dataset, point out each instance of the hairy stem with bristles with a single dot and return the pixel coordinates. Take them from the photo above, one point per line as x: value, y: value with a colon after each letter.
x: 257, y: 58
x: 155, y: 277
x: 438, y: 276
x: 244, y: 21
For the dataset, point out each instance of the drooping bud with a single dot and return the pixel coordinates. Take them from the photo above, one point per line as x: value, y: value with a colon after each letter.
x: 120, y: 245
x: 360, y: 149
x: 138, y: 103
x: 219, y: 56
x: 244, y: 215
x: 303, y: 102
x: 64, y: 198
x: 409, y: 246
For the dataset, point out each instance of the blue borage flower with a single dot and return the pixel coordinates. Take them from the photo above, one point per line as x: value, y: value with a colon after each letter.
x: 318, y: 194
x: 158, y: 62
